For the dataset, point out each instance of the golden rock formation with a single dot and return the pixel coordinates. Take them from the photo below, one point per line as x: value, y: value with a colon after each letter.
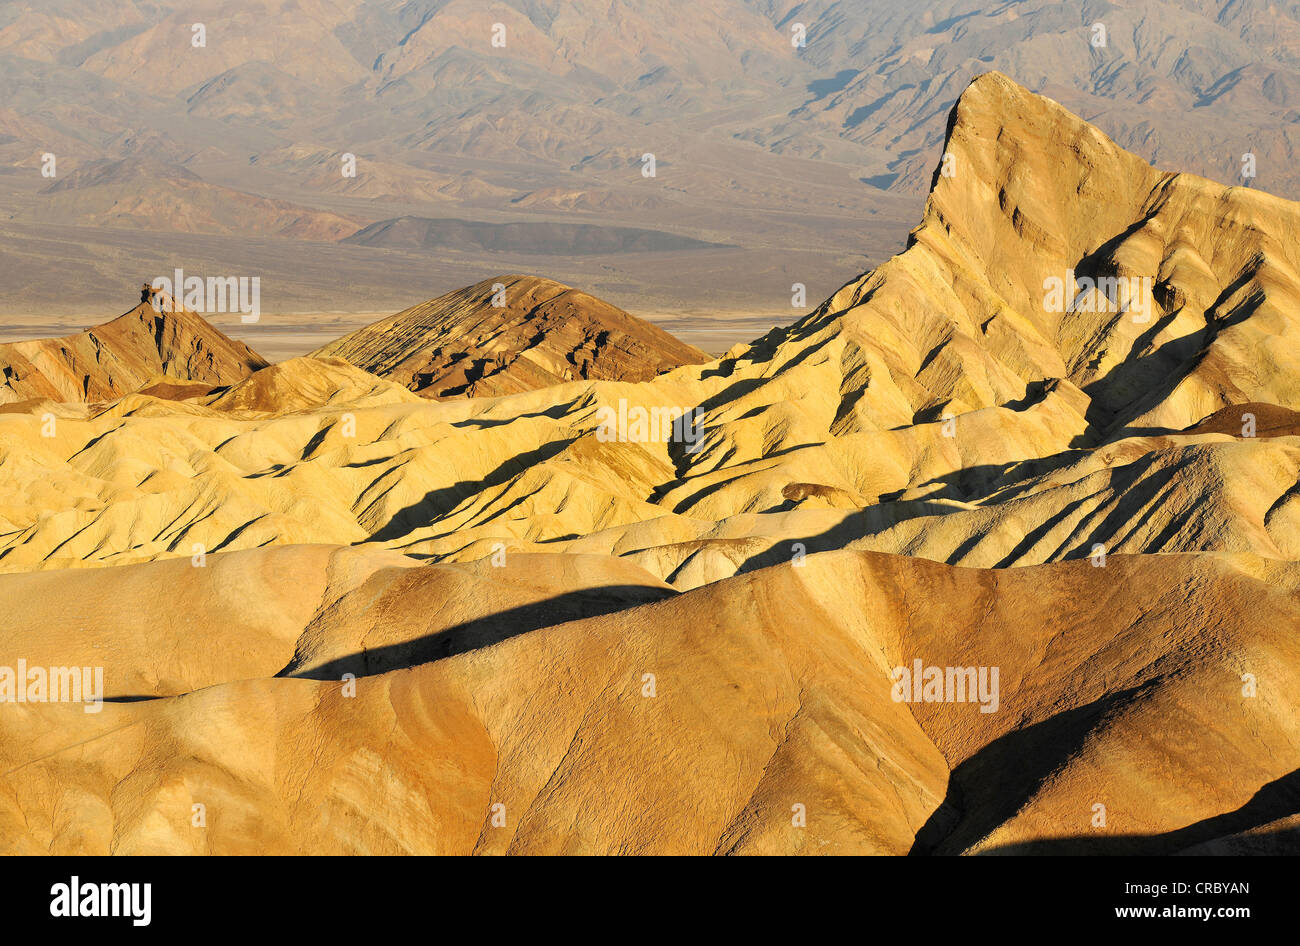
x: 511, y: 334
x: 148, y: 345
x: 569, y: 704
x: 611, y: 632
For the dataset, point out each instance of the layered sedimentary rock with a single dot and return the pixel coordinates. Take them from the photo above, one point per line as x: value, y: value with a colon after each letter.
x: 147, y: 344
x: 511, y: 334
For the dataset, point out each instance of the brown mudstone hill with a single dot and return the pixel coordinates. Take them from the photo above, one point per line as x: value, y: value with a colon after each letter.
x: 135, y: 350
x: 507, y: 335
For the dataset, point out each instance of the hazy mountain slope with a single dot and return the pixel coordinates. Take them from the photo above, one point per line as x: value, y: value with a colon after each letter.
x: 869, y: 87
x: 143, y: 194
x: 776, y: 150
x: 890, y: 72
x: 542, y: 333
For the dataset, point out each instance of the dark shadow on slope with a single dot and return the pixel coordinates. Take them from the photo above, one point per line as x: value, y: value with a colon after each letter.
x: 741, y: 388
x: 856, y: 525
x: 820, y: 88
x: 438, y: 502
x: 1036, y: 392
x: 1125, y: 384
x: 863, y: 112
x: 996, y: 782
x: 1136, y: 491
x: 973, y: 483
x: 485, y: 631
x: 880, y: 181
x: 677, y: 451
x: 555, y: 412
x: 1277, y: 799
x: 94, y: 441
x: 317, y: 439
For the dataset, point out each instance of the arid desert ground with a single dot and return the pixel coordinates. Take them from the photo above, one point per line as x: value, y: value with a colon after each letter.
x: 995, y: 550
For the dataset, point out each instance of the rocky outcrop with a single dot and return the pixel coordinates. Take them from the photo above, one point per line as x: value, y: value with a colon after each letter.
x: 110, y: 360
x: 511, y: 334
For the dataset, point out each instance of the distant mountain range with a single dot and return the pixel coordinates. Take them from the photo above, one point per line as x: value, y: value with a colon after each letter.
x: 602, y: 85
x: 529, y: 236
x: 758, y: 142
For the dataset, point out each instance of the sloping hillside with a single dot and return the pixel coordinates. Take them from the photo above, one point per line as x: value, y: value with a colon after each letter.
x: 511, y: 334
x: 110, y: 360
